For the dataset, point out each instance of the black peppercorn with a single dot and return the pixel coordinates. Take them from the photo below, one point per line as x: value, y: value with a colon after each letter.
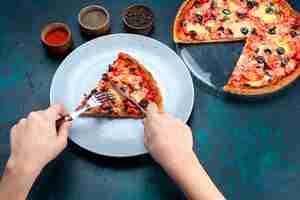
x: 131, y: 69
x: 268, y: 51
x: 294, y: 34
x: 183, y: 23
x: 272, y: 30
x: 244, y: 30
x: 144, y: 103
x: 105, y: 77
x: 251, y: 4
x: 199, y: 18
x: 193, y: 33
x: 280, y: 50
x: 260, y: 59
x: 241, y: 15
x: 221, y: 28
x: 110, y: 68
x: 284, y: 62
x: 253, y: 31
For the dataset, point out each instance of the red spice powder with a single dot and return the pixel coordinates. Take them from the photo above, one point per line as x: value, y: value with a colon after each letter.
x: 57, y: 36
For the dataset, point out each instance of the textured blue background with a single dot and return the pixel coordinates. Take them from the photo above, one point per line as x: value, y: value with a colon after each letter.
x: 250, y: 149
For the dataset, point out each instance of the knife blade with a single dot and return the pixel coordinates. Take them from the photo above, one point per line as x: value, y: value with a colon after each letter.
x: 122, y: 93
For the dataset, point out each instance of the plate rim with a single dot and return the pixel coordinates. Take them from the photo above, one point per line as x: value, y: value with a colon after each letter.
x: 120, y: 35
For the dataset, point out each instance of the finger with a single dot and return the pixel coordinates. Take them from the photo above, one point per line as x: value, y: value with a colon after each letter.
x: 56, y: 111
x: 13, y: 130
x: 146, y: 140
x: 63, y: 132
x: 152, y: 109
x: 22, y: 123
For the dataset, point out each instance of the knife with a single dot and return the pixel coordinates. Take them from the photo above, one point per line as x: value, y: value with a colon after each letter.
x: 126, y: 96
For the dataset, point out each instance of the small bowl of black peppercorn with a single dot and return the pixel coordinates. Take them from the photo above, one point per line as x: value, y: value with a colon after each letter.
x: 138, y: 19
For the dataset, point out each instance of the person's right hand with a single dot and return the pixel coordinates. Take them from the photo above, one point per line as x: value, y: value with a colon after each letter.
x: 168, y: 139
x: 170, y: 143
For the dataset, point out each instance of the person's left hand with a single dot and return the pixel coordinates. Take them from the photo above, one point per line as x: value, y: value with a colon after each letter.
x: 35, y: 141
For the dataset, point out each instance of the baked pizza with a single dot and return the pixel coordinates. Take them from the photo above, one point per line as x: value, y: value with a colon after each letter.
x: 134, y: 80
x: 271, y: 57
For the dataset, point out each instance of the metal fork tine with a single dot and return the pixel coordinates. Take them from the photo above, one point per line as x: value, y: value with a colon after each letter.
x: 100, y: 95
x: 94, y: 101
x: 106, y: 95
x: 110, y: 96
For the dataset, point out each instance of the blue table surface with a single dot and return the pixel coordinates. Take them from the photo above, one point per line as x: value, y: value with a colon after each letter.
x: 249, y: 148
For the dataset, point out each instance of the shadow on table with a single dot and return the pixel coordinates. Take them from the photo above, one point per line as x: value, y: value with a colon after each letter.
x: 128, y: 162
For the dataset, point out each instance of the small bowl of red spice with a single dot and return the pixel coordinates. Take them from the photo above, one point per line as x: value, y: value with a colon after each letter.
x: 57, y: 39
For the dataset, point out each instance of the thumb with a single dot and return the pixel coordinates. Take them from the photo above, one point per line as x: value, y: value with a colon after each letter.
x: 63, y: 132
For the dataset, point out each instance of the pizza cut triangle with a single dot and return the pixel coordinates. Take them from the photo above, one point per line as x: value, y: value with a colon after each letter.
x: 135, y: 80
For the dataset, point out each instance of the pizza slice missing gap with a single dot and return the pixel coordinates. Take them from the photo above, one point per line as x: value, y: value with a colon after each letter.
x: 137, y: 83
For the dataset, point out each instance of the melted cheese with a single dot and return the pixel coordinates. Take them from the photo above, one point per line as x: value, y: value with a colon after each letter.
x: 117, y: 100
x: 259, y: 83
x: 198, y: 11
x: 220, y: 4
x: 138, y: 95
x: 261, y: 13
x: 131, y: 79
x: 233, y: 7
x: 284, y: 43
x: 211, y: 23
x: 197, y: 28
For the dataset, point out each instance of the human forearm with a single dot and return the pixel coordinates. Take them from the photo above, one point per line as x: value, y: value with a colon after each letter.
x: 191, y: 177
x: 16, y: 182
x: 170, y: 143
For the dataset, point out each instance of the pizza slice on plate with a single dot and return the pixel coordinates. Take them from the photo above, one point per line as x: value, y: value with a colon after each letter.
x: 133, y: 78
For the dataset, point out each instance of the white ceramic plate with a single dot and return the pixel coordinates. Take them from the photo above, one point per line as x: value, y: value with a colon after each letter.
x: 81, y: 70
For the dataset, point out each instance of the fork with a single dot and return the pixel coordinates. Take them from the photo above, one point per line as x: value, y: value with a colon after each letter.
x: 93, y: 101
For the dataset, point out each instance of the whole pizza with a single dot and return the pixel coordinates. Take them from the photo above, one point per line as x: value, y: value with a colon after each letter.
x: 270, y: 59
